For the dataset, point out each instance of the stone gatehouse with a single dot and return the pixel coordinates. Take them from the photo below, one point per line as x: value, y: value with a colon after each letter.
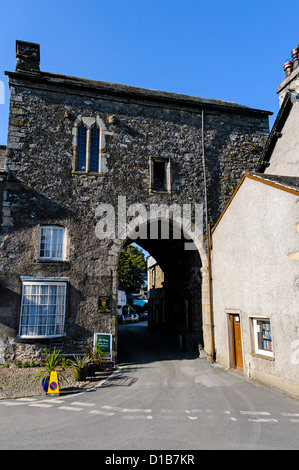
x: 83, y: 155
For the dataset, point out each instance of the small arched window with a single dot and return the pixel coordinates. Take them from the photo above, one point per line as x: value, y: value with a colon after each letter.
x: 81, y: 148
x: 89, y: 145
x: 94, y: 149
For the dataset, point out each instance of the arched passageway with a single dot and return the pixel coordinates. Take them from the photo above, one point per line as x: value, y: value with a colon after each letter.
x: 179, y: 308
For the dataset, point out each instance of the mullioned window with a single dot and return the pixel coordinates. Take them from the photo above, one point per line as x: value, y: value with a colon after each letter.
x: 89, y: 145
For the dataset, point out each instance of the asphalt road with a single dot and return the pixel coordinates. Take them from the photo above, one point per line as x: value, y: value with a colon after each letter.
x: 159, y: 399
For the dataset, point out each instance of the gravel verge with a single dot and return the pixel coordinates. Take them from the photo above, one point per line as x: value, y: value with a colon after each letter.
x: 25, y: 382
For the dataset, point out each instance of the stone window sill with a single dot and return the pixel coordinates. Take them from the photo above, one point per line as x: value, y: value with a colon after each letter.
x: 153, y: 191
x: 261, y: 356
x: 87, y: 173
x: 51, y: 261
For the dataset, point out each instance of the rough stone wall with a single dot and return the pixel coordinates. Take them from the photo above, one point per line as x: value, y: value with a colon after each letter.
x: 233, y: 145
x: 40, y: 145
x: 42, y: 187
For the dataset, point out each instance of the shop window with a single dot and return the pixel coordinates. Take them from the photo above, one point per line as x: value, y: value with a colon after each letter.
x: 262, y: 335
x: 43, y: 308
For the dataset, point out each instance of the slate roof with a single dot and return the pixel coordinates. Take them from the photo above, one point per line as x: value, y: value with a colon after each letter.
x: 76, y: 84
x: 286, y: 182
x: 275, y: 133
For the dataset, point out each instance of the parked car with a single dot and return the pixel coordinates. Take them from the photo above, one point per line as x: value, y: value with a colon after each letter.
x: 136, y: 316
x: 143, y: 316
x: 129, y: 318
x: 121, y: 319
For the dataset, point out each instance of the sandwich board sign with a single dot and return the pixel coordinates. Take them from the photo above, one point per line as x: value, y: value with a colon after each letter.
x: 104, y: 341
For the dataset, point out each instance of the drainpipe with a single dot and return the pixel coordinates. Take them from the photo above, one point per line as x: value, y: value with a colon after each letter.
x: 208, y: 231
x: 209, y: 247
x: 204, y: 166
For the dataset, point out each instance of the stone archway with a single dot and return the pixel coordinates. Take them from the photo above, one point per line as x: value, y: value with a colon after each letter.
x: 195, y: 242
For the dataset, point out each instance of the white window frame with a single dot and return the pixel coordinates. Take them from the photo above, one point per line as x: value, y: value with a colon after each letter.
x: 39, y: 323
x: 52, y: 228
x: 255, y: 332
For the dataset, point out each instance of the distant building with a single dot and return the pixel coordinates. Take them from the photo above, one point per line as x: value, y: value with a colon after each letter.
x: 122, y: 301
x: 157, y: 296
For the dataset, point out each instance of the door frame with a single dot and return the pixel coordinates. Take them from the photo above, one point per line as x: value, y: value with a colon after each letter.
x: 232, y: 315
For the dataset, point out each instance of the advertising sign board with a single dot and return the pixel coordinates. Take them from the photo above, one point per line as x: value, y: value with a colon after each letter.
x: 104, y: 341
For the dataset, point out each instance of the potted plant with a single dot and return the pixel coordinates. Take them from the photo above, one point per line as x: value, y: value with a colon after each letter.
x: 51, y: 364
x: 91, y: 366
x: 79, y: 364
x: 97, y: 354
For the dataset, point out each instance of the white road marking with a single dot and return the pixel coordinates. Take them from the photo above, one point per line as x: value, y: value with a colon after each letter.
x: 103, y: 413
x: 126, y: 410
x: 41, y: 405
x: 27, y: 399
x: 53, y: 400
x: 144, y: 413
x: 82, y: 404
x: 13, y: 403
x: 136, y: 410
x: 70, y: 408
x: 195, y: 410
x: 255, y: 415
x: 263, y: 420
x: 138, y: 417
x: 114, y: 408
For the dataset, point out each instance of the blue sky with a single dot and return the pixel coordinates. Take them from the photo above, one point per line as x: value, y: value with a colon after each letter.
x: 231, y: 50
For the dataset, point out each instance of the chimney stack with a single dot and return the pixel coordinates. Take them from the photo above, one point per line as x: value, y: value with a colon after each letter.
x: 288, y: 67
x: 28, y: 56
x: 291, y: 82
x: 295, y: 57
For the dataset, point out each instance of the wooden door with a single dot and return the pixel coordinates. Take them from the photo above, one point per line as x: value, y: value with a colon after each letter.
x: 236, y: 342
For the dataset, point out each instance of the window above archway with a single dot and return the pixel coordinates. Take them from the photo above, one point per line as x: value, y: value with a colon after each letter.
x: 81, y: 148
x: 160, y: 175
x: 89, y: 145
